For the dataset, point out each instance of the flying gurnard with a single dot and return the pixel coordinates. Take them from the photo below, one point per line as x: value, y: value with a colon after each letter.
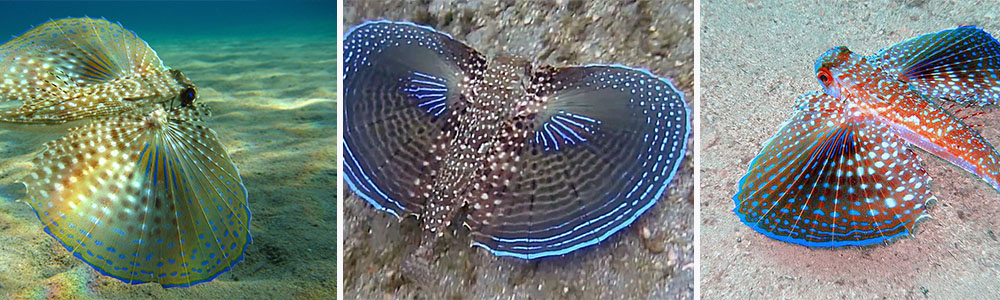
x: 843, y: 170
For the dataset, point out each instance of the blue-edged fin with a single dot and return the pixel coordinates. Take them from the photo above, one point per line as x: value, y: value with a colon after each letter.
x: 961, y: 65
x: 833, y: 177
x: 401, y: 85
x: 601, y: 150
x: 144, y: 198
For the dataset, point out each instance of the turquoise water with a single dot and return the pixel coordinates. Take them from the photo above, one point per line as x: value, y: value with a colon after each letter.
x: 267, y: 71
x: 184, y: 18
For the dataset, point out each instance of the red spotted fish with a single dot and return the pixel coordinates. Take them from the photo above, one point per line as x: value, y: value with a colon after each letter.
x: 139, y: 189
x: 843, y: 170
x: 541, y: 161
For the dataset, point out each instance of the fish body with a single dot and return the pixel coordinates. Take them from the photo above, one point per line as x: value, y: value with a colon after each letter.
x: 542, y: 160
x: 842, y: 171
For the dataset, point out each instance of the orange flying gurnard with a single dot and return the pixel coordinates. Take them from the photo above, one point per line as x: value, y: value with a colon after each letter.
x: 842, y: 171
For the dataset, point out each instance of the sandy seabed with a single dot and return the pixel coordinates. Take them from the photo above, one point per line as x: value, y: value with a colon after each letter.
x: 273, y: 103
x: 757, y: 57
x: 651, y: 259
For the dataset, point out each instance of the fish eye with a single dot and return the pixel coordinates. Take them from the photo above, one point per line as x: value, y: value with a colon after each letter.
x: 824, y: 77
x: 187, y: 96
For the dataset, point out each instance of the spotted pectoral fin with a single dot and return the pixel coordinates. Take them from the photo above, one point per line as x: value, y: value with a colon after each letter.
x: 143, y: 198
x: 55, y: 112
x: 403, y: 66
x: 961, y: 65
x: 66, y: 53
x: 832, y: 178
x: 601, y: 152
x: 55, y: 69
x: 401, y: 86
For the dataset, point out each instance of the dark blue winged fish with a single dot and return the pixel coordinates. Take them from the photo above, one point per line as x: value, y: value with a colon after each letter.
x: 842, y: 171
x: 138, y: 188
x: 542, y: 160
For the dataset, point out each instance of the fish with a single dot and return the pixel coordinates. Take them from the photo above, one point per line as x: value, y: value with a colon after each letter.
x: 844, y: 170
x: 80, y: 68
x: 144, y: 197
x: 536, y: 160
x: 137, y: 187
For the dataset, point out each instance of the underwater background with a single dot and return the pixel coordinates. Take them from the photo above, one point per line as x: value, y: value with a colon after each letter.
x: 267, y: 70
x: 650, y: 259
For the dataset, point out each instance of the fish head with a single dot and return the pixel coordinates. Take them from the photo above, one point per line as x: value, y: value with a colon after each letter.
x: 835, y: 70
x: 185, y: 91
